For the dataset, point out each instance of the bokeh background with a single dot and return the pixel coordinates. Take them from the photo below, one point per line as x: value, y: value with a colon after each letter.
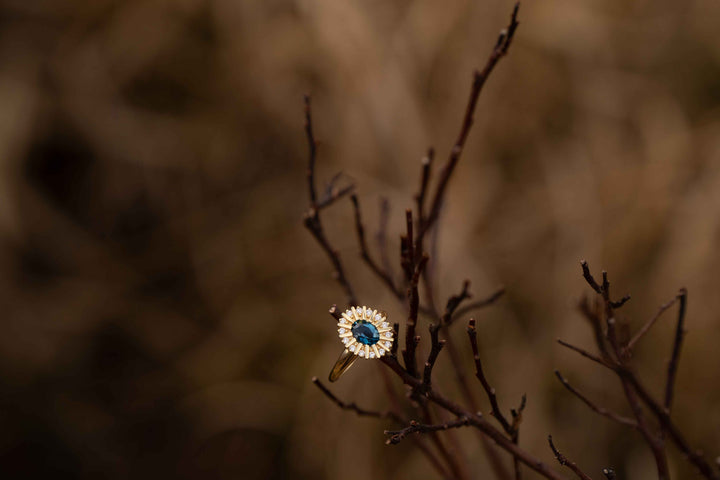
x: 163, y: 309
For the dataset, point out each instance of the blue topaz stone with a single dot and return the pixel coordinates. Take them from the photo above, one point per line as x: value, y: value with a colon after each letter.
x: 365, y: 332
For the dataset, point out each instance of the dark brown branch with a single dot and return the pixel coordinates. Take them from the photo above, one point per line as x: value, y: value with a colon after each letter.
x: 472, y: 335
x: 620, y: 302
x: 312, y: 153
x: 597, y: 409
x: 353, y: 406
x: 454, y: 301
x: 397, y: 436
x: 516, y: 420
x: 476, y: 420
x: 565, y: 462
x: 677, y: 344
x: 589, y: 278
x: 334, y: 312
x: 489, y: 300
x: 365, y: 253
x: 695, y: 457
x: 312, y: 217
x: 585, y: 354
x: 414, y: 301
x: 645, y: 328
x: 394, y: 346
x: 333, y: 193
x: 436, y: 346
x: 501, y: 48
x: 427, y: 162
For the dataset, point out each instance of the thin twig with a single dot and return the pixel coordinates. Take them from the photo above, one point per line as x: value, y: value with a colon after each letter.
x: 645, y: 328
x: 410, y: 337
x: 427, y: 162
x: 334, y: 312
x: 476, y: 420
x: 596, y: 408
x: 365, y: 253
x: 436, y: 346
x: 396, y: 436
x: 312, y: 217
x: 479, y: 77
x: 490, y: 391
x: 354, y: 407
x: 478, y: 304
x: 565, y: 462
x: 677, y: 344
x: 585, y: 354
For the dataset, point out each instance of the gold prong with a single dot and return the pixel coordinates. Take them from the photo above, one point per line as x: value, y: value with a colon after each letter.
x: 377, y: 354
x: 367, y: 351
x: 346, y: 334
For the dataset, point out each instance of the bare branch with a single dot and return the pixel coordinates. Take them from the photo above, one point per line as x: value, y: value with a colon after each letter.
x: 312, y: 217
x: 427, y: 162
x: 597, y: 409
x: 353, y: 406
x: 585, y: 354
x: 501, y: 47
x: 365, y: 253
x: 396, y: 436
x: 334, y: 312
x: 645, y: 328
x: 410, y: 338
x: 489, y: 300
x: 677, y: 344
x: 476, y: 420
x: 472, y: 335
x: 435, y: 348
x: 565, y: 462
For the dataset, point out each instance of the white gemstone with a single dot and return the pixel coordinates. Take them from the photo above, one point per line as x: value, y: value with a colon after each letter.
x: 346, y: 341
x: 381, y: 351
x: 372, y: 355
x: 387, y: 344
x: 341, y: 331
x: 388, y: 334
x: 368, y: 314
x: 386, y: 324
x: 349, y: 313
x: 378, y: 317
x: 362, y: 353
x: 352, y: 348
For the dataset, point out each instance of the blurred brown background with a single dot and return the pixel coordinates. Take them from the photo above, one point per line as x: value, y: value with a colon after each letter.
x: 163, y: 308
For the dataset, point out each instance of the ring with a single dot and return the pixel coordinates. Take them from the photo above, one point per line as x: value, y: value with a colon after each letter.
x: 365, y: 333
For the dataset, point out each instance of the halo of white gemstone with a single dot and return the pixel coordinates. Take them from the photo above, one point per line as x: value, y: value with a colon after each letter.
x: 387, y: 344
x: 362, y: 353
x: 381, y: 351
x: 352, y: 348
x: 385, y: 324
x: 341, y: 331
x: 378, y: 317
x: 372, y: 355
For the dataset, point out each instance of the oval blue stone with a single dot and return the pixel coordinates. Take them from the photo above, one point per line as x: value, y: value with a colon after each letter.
x: 365, y: 332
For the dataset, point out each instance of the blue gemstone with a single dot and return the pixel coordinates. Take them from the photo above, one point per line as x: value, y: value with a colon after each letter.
x: 365, y: 332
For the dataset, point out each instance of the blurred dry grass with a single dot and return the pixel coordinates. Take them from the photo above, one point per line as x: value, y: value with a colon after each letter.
x: 163, y: 309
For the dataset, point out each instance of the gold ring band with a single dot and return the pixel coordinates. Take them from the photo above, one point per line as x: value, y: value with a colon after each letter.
x: 345, y: 361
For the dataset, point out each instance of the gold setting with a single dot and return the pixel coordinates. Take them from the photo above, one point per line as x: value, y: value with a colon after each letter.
x: 354, y: 349
x: 378, y: 319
